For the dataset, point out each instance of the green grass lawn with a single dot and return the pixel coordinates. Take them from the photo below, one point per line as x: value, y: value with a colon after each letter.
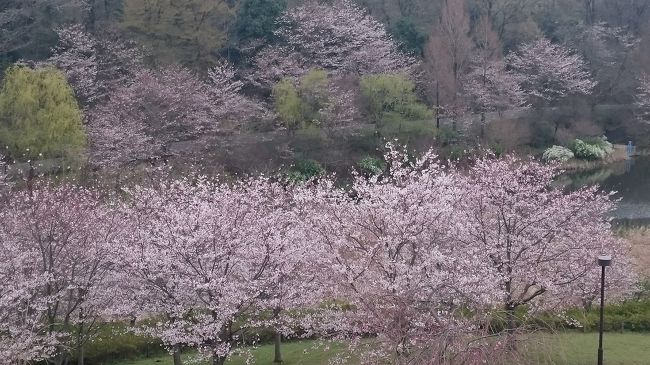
x: 559, y: 349
x: 293, y: 353
x: 581, y: 349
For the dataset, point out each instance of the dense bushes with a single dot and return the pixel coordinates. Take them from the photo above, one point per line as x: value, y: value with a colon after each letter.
x: 584, y: 149
x: 303, y: 170
x: 633, y: 315
x: 592, y: 149
x: 371, y: 165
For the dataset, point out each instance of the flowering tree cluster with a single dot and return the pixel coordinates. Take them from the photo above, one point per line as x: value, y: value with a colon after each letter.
x: 340, y: 37
x: 550, y: 72
x: 94, y: 66
x: 133, y: 112
x: 157, y: 107
x: 141, y: 119
x: 55, y: 256
x: 395, y: 258
x: 211, y: 259
x: 491, y: 87
x: 415, y: 260
x: 225, y: 91
x: 540, y: 240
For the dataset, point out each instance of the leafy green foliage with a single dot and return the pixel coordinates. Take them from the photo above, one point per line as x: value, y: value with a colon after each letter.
x: 392, y: 93
x: 633, y: 315
x: 189, y: 32
x: 557, y: 153
x: 591, y: 149
x: 288, y: 103
x: 410, y: 37
x: 304, y: 170
x: 256, y: 18
x: 370, y: 165
x: 39, y: 114
x: 303, y: 103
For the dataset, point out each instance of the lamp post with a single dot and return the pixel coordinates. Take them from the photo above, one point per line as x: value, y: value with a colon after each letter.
x: 603, y: 262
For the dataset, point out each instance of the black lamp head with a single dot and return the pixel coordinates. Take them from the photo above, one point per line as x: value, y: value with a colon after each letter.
x: 604, y: 260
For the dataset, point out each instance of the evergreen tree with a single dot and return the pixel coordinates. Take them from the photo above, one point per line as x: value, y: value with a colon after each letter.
x: 257, y: 18
x: 39, y: 114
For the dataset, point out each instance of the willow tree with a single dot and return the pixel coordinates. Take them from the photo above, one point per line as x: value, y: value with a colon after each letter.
x: 39, y: 115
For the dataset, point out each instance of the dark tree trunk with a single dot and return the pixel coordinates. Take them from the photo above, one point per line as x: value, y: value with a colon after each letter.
x: 511, y: 325
x: 482, y: 125
x: 176, y: 353
x: 218, y: 360
x: 81, y: 354
x: 278, y: 344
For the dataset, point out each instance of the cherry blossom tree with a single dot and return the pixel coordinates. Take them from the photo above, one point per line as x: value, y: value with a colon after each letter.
x: 211, y: 260
x: 23, y: 329
x: 543, y: 241
x: 550, y: 72
x: 56, y: 242
x: 226, y: 96
x: 95, y: 66
x: 396, y: 264
x: 643, y: 98
x: 140, y: 120
x: 340, y: 37
x: 491, y: 87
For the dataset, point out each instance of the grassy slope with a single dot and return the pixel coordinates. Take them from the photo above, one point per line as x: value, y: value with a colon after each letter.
x: 562, y: 349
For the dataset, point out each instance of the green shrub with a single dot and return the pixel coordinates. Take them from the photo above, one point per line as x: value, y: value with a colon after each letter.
x: 592, y: 148
x: 557, y: 153
x: 39, y: 116
x: 392, y: 93
x: 371, y: 165
x: 586, y: 151
x: 304, y: 170
x: 633, y: 315
x: 602, y: 143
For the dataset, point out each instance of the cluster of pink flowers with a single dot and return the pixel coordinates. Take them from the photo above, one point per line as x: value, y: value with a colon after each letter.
x: 414, y: 261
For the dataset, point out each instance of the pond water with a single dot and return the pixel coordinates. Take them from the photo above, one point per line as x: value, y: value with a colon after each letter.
x: 630, y: 179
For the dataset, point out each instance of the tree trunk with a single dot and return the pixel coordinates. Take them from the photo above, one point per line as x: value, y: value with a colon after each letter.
x: 278, y: 344
x: 80, y: 355
x: 482, y: 125
x: 510, y: 326
x: 218, y: 360
x: 176, y: 353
